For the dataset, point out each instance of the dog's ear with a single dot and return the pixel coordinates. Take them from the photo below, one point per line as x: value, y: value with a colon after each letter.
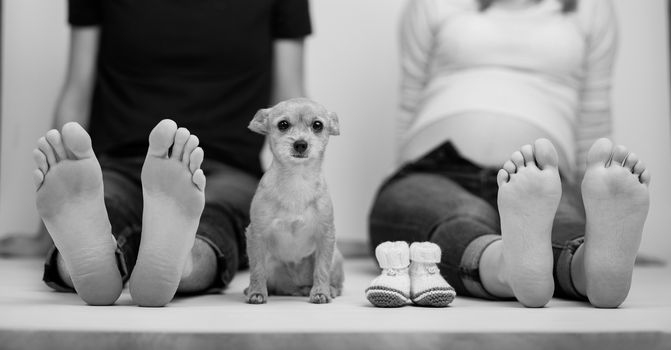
x: 334, y: 124
x: 259, y: 123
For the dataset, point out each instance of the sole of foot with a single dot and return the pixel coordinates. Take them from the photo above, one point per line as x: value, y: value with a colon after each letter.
x: 615, y: 193
x: 529, y: 193
x: 173, y: 192
x: 71, y: 202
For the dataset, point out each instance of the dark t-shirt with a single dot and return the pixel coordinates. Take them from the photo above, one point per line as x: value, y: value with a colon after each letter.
x: 207, y: 64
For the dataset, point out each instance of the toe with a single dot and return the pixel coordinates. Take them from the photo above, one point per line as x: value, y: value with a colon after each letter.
x: 181, y: 136
x: 198, y: 179
x: 45, y: 148
x: 502, y: 177
x: 645, y: 177
x: 38, y: 178
x: 509, y: 167
x: 600, y: 153
x: 40, y: 161
x: 528, y: 154
x: 77, y: 141
x: 190, y: 146
x: 161, y: 138
x: 196, y: 159
x: 54, y: 139
x: 620, y: 154
x: 631, y: 161
x: 639, y: 168
x: 545, y: 154
x: 518, y: 159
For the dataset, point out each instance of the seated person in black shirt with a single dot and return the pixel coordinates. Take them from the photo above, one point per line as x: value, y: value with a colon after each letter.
x: 118, y: 207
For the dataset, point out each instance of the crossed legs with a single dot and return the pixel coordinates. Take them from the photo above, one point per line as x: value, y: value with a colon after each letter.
x: 513, y: 252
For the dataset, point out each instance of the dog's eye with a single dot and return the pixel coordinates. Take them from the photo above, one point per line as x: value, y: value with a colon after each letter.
x: 283, y: 125
x: 317, y: 126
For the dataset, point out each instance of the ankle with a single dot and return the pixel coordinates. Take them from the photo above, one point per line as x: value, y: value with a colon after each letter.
x: 578, y: 270
x: 200, y: 268
x: 492, y: 269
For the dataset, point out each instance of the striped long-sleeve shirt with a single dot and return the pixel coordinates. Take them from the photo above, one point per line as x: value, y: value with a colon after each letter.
x: 550, y: 68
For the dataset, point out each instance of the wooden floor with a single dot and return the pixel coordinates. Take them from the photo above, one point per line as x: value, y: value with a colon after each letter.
x: 34, y: 317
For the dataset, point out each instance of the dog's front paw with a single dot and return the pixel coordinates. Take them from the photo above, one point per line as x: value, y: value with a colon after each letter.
x: 317, y: 296
x: 320, y: 298
x: 256, y: 296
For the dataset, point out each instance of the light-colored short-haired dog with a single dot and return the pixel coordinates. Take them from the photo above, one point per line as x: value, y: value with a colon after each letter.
x: 291, y: 237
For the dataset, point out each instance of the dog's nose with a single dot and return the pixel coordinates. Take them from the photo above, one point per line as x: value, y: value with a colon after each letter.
x: 300, y: 146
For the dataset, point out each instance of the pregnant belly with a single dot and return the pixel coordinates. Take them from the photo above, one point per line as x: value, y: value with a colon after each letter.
x: 486, y: 139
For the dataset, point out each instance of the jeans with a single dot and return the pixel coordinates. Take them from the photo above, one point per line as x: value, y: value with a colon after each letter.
x: 448, y: 200
x: 228, y: 196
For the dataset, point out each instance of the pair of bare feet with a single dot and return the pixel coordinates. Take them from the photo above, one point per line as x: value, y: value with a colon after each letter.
x: 70, y: 200
x: 615, y: 194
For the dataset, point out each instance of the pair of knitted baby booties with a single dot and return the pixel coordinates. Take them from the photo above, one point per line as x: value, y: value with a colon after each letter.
x: 409, y: 274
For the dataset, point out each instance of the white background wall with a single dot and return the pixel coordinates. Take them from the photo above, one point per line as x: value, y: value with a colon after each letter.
x: 352, y: 68
x: 641, y: 108
x: 34, y: 42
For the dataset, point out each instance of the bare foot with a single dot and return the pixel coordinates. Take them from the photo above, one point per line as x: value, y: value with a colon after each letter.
x: 172, y: 189
x: 615, y: 192
x: 71, y: 203
x: 529, y: 193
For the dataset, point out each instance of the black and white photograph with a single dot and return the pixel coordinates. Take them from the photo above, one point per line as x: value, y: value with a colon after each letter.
x: 335, y: 174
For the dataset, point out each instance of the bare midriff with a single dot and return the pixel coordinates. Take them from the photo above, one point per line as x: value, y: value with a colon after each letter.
x: 485, y: 138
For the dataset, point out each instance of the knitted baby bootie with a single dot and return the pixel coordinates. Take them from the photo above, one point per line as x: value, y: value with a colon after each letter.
x: 392, y: 287
x: 427, y: 286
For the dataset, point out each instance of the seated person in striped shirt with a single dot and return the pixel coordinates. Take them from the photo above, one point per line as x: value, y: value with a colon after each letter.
x: 564, y: 214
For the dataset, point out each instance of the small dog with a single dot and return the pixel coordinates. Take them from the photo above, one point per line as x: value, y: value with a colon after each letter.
x: 291, y: 237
